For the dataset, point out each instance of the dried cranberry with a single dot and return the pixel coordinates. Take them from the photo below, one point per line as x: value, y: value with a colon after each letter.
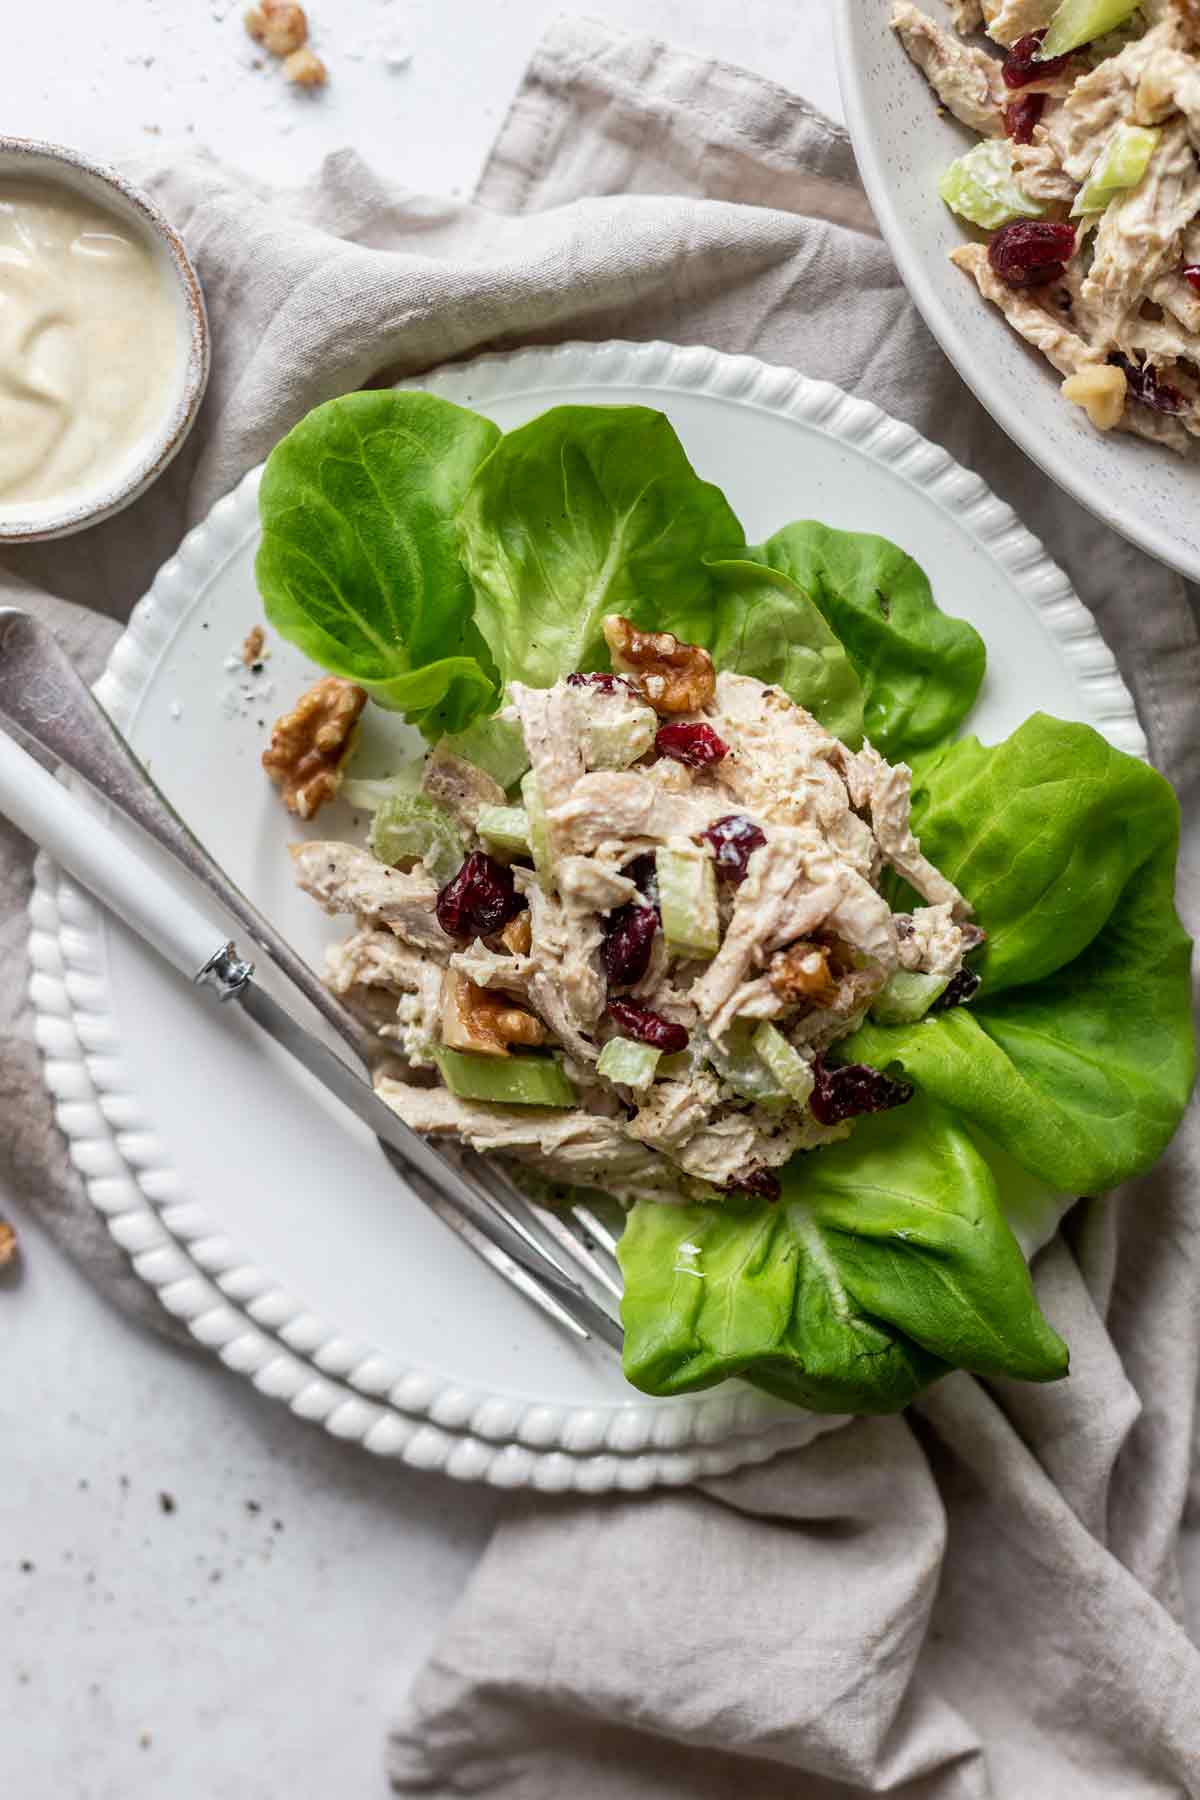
x: 628, y: 941
x: 1031, y: 252
x: 1191, y: 274
x: 1145, y: 386
x: 643, y: 872
x: 603, y: 683
x: 1021, y: 65
x: 734, y: 839
x: 648, y: 1027
x: 479, y: 900
x: 1020, y: 117
x: 697, y: 745
x: 760, y: 1182
x: 844, y: 1093
x: 964, y: 987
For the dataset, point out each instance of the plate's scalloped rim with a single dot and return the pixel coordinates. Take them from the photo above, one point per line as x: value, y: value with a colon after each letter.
x: 235, y: 1308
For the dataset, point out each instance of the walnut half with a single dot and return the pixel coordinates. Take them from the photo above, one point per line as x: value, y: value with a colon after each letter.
x: 675, y: 677
x: 309, y: 745
x: 475, y: 1018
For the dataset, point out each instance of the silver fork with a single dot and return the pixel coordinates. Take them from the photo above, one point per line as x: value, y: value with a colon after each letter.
x: 568, y: 1269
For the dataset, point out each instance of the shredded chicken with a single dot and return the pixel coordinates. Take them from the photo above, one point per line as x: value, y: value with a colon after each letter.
x: 459, y: 786
x: 1123, y: 293
x: 965, y: 80
x: 803, y: 938
x: 1025, y: 312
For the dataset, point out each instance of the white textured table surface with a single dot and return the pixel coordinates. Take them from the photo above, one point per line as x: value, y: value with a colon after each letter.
x: 201, y: 1597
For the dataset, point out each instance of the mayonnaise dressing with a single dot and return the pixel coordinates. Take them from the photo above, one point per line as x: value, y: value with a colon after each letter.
x: 90, y: 342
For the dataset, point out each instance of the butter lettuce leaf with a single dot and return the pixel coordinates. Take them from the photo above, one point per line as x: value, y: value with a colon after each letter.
x: 920, y: 669
x: 587, y: 510
x: 1078, y: 1056
x: 886, y: 1261
x: 359, y: 563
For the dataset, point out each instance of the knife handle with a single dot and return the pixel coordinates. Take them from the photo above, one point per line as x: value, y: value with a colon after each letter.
x: 81, y: 841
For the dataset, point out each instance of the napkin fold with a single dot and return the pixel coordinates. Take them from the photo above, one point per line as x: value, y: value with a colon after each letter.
x: 979, y: 1599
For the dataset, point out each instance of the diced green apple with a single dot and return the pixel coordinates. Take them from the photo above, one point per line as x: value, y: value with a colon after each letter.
x: 687, y: 888
x: 787, y: 1066
x: 632, y: 1064
x: 506, y: 1081
x: 1079, y: 21
x: 907, y: 997
x: 982, y: 187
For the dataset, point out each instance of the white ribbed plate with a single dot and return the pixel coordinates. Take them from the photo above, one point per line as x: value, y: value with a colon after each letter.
x: 261, y: 1215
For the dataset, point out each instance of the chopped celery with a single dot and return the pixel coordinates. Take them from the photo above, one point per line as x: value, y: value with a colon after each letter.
x: 740, y: 1067
x: 505, y: 826
x: 618, y: 739
x: 1121, y: 165
x: 372, y: 792
x: 624, y: 1060
x: 495, y: 745
x: 680, y: 1065
x: 790, y: 1069
x: 1079, y: 21
x: 687, y: 887
x: 506, y: 1081
x: 982, y: 187
x: 539, y: 832
x: 411, y: 825
x: 907, y: 997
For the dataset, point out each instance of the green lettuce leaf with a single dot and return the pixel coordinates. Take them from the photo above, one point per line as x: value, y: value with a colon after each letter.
x: 887, y: 1260
x: 359, y: 561
x: 920, y: 669
x: 756, y: 621
x: 1078, y: 1056
x: 586, y: 510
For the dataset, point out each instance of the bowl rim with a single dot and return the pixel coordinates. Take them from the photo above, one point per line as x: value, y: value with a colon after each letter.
x: 159, y: 448
x: 1101, y: 502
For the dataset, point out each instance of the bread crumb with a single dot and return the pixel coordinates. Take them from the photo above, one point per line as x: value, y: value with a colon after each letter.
x: 303, y: 68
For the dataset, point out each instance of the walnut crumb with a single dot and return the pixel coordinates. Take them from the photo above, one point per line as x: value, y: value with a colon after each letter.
x: 252, y: 649
x: 517, y: 935
x: 1100, y: 388
x: 304, y: 68
x: 8, y: 1244
x: 674, y: 677
x: 309, y: 745
x: 278, y: 25
x: 803, y: 973
x: 475, y: 1018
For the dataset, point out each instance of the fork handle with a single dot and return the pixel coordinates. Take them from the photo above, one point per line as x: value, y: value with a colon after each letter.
x: 45, y: 703
x: 81, y: 842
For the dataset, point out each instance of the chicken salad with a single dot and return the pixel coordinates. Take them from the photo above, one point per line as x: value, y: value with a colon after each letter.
x: 1087, y: 183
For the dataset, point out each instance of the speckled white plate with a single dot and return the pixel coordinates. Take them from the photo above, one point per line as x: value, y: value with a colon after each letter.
x: 261, y: 1215
x: 1146, y: 492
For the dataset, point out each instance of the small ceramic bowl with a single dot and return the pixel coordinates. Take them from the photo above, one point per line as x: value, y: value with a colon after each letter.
x: 26, y: 521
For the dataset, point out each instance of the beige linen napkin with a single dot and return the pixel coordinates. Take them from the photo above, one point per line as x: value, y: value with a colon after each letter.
x: 981, y: 1599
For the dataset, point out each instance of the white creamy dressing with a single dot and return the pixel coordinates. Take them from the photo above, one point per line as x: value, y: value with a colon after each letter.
x: 89, y: 342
